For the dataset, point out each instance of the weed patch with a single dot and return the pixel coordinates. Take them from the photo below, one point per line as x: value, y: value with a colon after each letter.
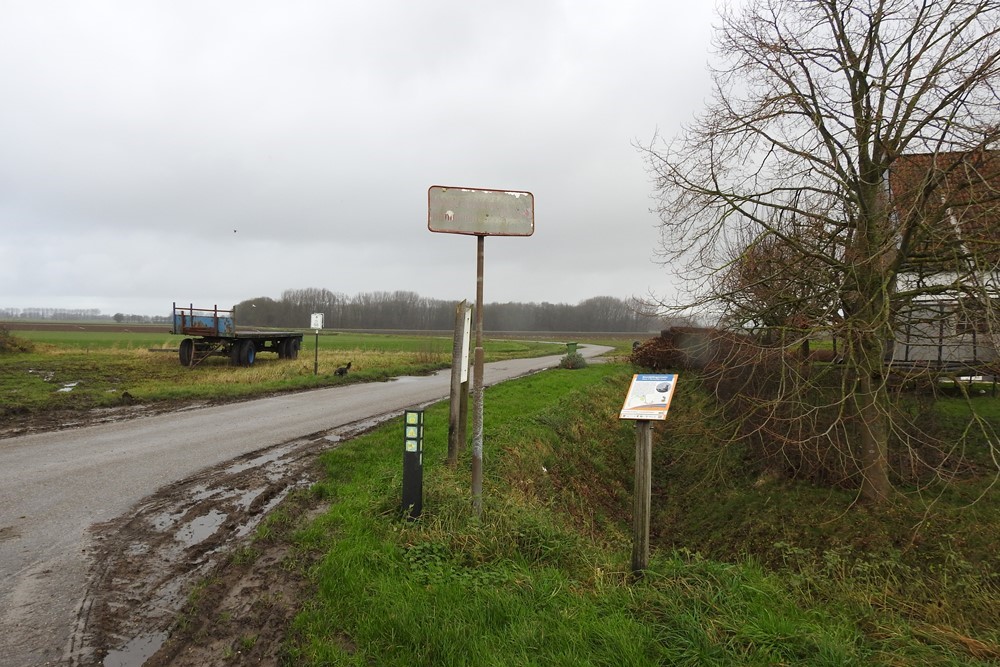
x: 11, y: 344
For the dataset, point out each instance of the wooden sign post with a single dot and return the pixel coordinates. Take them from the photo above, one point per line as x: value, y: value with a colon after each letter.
x: 642, y: 499
x: 648, y: 400
x: 480, y: 213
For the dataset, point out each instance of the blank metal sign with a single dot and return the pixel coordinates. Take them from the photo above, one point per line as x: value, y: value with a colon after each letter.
x: 480, y: 212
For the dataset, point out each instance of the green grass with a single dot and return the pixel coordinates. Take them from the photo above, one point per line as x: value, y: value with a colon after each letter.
x: 83, y: 370
x: 747, y: 568
x: 141, y: 338
x: 542, y: 578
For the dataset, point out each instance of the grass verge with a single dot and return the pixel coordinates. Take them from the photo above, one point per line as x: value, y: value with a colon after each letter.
x: 542, y: 578
x: 72, y: 371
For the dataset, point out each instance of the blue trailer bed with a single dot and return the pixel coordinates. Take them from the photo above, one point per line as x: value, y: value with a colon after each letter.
x: 212, y: 332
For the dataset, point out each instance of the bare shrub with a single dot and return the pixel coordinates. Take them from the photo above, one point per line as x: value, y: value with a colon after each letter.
x: 789, y: 413
x: 11, y: 344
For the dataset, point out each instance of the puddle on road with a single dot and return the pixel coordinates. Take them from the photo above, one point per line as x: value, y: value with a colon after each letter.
x: 184, y: 537
x: 244, y: 528
x: 271, y: 456
x: 201, y: 528
x: 136, y: 651
x: 163, y: 521
x: 407, y: 379
x: 202, y: 492
x: 246, y: 498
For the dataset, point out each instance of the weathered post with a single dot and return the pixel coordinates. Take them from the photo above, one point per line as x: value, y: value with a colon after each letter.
x: 479, y: 212
x: 316, y: 322
x: 459, y: 369
x: 641, y: 500
x: 648, y: 399
x: 477, y: 387
x: 463, y: 409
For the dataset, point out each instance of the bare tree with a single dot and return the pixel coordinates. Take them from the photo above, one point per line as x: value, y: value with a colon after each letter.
x: 814, y: 102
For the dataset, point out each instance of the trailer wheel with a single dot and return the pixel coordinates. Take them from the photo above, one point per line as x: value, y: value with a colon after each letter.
x: 293, y: 347
x: 249, y: 353
x: 235, y: 353
x: 186, y: 351
x: 283, y: 351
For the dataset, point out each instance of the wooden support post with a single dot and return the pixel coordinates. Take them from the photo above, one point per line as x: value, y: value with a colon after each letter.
x: 642, y: 496
x: 316, y: 357
x: 477, y: 388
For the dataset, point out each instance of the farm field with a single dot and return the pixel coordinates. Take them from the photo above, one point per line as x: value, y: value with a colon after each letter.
x: 50, y: 377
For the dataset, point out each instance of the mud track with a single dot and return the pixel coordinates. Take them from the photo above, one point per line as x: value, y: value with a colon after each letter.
x: 186, y: 579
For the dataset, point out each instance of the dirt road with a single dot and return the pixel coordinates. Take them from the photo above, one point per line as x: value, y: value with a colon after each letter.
x: 167, y: 492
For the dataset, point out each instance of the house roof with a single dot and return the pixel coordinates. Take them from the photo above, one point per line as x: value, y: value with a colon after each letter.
x: 951, y: 201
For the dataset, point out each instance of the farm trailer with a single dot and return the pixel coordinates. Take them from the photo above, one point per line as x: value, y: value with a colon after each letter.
x: 217, y: 335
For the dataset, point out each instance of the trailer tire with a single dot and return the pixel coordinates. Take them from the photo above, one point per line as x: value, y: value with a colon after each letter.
x: 249, y: 353
x: 235, y: 353
x: 186, y: 352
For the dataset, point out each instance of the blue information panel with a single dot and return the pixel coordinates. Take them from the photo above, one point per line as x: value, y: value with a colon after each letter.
x: 649, y: 397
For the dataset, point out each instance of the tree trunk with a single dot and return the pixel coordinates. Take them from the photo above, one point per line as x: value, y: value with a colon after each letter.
x: 872, y: 403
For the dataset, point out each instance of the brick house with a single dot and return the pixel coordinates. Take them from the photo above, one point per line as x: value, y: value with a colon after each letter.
x: 947, y: 295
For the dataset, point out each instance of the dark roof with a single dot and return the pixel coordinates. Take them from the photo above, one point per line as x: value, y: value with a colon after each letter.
x: 953, y: 201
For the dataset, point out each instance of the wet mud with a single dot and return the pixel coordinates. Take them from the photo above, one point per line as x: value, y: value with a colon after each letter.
x: 186, y: 578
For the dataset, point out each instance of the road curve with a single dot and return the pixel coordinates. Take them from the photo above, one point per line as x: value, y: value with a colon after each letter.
x: 54, y: 486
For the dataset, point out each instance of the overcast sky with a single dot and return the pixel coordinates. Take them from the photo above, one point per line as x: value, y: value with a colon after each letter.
x: 214, y: 151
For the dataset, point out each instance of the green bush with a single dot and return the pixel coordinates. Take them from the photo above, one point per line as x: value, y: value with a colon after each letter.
x: 11, y: 344
x: 573, y: 360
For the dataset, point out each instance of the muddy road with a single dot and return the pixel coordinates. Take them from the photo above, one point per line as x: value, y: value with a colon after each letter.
x: 105, y: 528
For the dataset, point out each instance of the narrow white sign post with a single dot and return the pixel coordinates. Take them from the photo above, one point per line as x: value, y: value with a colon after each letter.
x: 480, y: 213
x: 648, y: 400
x: 459, y: 376
x: 316, y: 322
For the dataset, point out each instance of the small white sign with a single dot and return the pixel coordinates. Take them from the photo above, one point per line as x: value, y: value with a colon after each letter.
x: 649, y: 397
x: 466, y: 335
x: 317, y: 321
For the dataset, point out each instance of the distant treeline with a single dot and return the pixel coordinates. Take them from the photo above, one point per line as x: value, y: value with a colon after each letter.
x: 52, y: 314
x: 407, y: 310
x: 78, y: 315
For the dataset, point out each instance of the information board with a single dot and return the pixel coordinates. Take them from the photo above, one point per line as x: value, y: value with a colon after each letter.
x: 649, y: 397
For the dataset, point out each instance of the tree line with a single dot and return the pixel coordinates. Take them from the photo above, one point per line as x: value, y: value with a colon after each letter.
x: 79, y: 315
x: 408, y: 310
x: 51, y: 314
